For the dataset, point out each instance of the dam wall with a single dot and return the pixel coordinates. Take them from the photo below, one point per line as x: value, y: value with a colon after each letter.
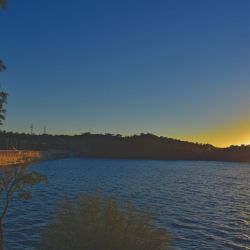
x: 14, y: 157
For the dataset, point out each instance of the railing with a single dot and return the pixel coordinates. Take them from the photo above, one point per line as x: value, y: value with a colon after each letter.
x: 14, y: 157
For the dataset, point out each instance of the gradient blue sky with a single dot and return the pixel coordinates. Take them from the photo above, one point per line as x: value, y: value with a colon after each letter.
x: 170, y: 67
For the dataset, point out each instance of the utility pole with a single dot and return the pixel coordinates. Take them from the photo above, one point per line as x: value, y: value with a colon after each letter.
x: 44, y: 130
x: 31, y: 129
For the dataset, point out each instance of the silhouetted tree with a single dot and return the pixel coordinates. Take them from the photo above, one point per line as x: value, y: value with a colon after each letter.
x: 14, y: 181
x: 3, y: 101
x: 2, y: 65
x: 3, y: 95
x: 3, y: 3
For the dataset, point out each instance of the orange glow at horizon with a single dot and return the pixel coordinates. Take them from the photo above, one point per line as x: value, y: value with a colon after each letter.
x: 236, y: 133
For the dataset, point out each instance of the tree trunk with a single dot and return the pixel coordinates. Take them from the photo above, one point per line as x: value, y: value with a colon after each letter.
x: 1, y: 234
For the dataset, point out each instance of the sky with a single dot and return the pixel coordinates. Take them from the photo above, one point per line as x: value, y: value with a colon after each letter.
x: 174, y: 68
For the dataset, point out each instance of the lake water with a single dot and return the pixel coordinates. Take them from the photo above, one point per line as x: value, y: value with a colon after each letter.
x: 204, y: 205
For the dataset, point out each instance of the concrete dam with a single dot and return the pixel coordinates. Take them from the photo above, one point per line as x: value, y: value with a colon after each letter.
x: 15, y: 157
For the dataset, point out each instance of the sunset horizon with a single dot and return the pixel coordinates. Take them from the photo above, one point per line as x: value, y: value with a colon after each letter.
x: 125, y: 125
x: 173, y: 69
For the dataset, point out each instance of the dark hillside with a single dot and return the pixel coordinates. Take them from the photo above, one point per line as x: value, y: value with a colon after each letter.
x: 143, y: 146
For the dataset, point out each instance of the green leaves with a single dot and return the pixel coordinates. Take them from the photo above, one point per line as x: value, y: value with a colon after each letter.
x: 30, y: 179
x: 97, y: 223
x: 16, y: 180
x: 25, y: 196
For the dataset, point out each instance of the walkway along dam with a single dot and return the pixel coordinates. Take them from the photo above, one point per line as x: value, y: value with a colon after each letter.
x: 15, y: 157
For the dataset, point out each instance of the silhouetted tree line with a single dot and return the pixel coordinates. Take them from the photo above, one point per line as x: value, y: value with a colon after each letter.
x: 143, y: 146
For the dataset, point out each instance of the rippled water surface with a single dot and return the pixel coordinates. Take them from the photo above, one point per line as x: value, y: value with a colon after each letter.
x: 204, y: 205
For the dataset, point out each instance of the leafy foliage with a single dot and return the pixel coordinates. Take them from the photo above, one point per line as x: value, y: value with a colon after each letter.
x: 96, y: 223
x: 3, y: 101
x: 3, y: 3
x: 16, y: 180
x: 2, y: 65
x: 3, y: 95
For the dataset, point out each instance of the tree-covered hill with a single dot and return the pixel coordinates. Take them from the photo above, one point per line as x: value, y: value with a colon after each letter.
x: 143, y: 146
